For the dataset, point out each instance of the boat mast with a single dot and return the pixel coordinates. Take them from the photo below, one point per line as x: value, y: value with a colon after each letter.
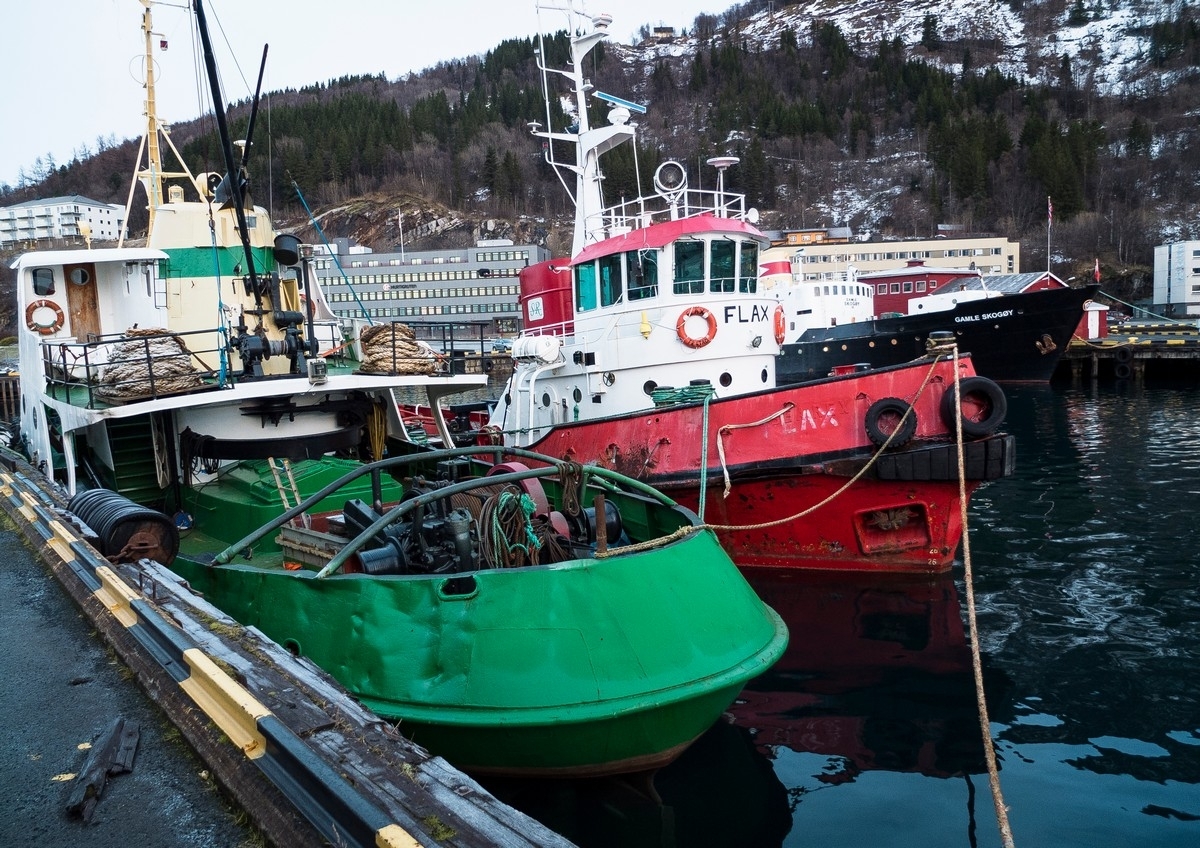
x: 152, y: 175
x: 589, y: 143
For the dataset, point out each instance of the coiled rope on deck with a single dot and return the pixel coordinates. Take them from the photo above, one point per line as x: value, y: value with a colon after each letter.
x: 147, y: 361
x: 394, y: 349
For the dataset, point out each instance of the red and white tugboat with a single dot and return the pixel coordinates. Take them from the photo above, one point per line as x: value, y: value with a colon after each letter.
x: 652, y: 350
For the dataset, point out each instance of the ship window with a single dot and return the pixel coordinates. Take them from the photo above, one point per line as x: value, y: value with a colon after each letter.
x: 881, y: 288
x: 895, y: 288
x: 748, y: 269
x: 689, y: 267
x: 610, y: 279
x: 585, y: 287
x: 920, y: 285
x: 908, y: 288
x: 43, y: 281
x: 641, y: 268
x: 721, y: 266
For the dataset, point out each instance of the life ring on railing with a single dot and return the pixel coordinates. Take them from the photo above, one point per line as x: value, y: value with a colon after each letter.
x: 983, y: 407
x: 780, y: 324
x: 681, y: 326
x: 37, y: 326
x: 884, y: 418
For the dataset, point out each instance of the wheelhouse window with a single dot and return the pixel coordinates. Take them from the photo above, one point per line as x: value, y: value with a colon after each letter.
x: 721, y: 266
x: 748, y: 268
x: 585, y: 287
x: 689, y: 267
x: 610, y: 279
x: 641, y: 269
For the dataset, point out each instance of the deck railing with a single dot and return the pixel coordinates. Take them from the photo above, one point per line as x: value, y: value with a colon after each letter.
x: 135, y: 366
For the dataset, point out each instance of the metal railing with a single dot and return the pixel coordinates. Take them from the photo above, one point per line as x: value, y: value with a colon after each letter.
x: 123, y: 367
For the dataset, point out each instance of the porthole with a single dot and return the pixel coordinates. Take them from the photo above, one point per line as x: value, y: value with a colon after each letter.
x: 648, y: 388
x: 80, y: 276
x: 726, y: 379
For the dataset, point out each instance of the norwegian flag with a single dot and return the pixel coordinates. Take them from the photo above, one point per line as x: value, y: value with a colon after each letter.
x: 1096, y: 273
x: 1049, y: 211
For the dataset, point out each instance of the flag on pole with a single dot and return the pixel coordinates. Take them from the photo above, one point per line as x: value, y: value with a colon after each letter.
x: 1049, y: 211
x: 1096, y: 273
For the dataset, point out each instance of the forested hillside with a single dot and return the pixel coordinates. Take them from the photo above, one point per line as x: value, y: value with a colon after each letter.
x: 836, y: 123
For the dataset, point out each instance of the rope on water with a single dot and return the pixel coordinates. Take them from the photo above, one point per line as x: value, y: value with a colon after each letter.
x: 989, y: 749
x: 394, y: 349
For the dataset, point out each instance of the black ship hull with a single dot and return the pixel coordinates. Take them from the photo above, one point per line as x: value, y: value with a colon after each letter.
x: 1013, y: 338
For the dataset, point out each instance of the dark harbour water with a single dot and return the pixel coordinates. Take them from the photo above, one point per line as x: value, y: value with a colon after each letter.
x: 1087, y: 582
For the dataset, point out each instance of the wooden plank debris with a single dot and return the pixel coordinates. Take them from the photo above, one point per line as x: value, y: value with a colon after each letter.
x: 112, y: 753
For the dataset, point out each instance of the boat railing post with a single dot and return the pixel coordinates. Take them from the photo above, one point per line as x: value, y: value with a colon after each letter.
x: 377, y: 489
x: 601, y: 523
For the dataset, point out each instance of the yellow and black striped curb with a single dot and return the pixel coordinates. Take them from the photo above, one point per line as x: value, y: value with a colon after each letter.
x: 334, y: 808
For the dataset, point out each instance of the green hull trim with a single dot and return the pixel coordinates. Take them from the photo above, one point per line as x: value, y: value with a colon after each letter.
x: 188, y: 262
x: 583, y: 667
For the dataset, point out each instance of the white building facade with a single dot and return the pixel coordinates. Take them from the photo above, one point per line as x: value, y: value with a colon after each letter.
x: 830, y: 254
x: 66, y: 219
x: 1177, y: 279
x: 477, y: 285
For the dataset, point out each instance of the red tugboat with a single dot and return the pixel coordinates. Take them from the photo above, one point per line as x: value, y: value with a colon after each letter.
x: 652, y: 350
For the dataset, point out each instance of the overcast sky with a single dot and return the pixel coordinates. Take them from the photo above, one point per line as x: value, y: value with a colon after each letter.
x: 74, y: 74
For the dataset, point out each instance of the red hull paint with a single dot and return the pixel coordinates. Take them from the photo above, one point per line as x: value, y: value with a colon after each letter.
x: 786, y: 450
x: 875, y: 525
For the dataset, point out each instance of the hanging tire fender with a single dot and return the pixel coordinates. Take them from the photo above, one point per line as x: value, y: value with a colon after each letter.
x: 983, y: 403
x: 1124, y: 355
x: 883, y: 419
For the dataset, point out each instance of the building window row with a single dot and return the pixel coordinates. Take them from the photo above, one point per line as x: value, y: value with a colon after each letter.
x: 430, y: 310
x: 421, y: 276
x: 342, y: 293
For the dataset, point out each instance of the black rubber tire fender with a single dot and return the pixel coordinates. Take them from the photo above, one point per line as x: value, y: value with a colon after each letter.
x: 1124, y: 354
x: 984, y: 407
x: 1122, y: 371
x: 883, y: 417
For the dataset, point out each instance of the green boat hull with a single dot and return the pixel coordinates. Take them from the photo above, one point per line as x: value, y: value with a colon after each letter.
x: 583, y: 667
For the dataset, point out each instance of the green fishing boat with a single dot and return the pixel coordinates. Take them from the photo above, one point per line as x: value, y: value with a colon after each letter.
x: 500, y: 631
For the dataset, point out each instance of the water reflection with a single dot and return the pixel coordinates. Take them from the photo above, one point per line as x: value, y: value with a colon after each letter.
x: 720, y: 792
x: 877, y: 675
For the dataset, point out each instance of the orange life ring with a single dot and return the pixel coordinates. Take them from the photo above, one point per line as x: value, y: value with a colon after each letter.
x: 45, y: 329
x: 780, y: 324
x: 681, y: 326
